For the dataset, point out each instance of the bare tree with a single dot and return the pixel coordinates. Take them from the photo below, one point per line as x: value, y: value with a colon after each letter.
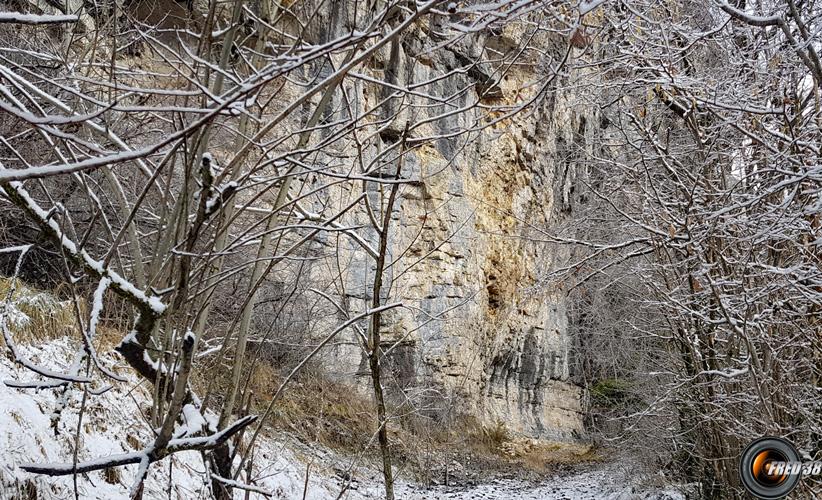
x: 700, y: 207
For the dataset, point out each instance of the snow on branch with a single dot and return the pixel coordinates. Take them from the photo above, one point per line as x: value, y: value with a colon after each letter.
x: 147, y: 455
x: 303, y: 214
x: 150, y: 307
x: 19, y: 196
x: 20, y: 359
x: 20, y: 18
x: 88, y: 336
x: 753, y: 20
x: 35, y: 384
x: 728, y: 374
x: 242, y: 486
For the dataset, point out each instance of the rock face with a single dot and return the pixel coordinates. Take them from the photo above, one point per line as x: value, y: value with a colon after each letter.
x: 478, y: 329
x: 502, y: 342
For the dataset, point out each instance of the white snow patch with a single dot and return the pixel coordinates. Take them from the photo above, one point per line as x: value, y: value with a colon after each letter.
x: 193, y: 420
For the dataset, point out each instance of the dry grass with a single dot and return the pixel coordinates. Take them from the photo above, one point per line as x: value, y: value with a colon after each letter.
x: 543, y: 457
x: 35, y: 315
x: 496, y: 442
x: 107, y: 338
x: 337, y: 416
x: 112, y: 475
x: 316, y: 409
x: 23, y: 490
x: 494, y: 436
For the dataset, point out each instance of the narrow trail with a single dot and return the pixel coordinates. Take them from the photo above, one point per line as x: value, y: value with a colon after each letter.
x: 599, y: 482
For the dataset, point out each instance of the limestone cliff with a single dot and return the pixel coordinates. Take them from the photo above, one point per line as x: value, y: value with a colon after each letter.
x: 478, y: 328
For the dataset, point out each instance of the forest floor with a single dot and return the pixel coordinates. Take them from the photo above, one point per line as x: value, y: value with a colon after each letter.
x: 281, y: 462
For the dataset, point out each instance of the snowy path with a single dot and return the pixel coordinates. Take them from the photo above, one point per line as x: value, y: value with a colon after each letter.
x: 604, y: 483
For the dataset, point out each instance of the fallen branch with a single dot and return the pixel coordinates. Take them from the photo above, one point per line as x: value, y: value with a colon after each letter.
x: 150, y: 307
x: 150, y: 454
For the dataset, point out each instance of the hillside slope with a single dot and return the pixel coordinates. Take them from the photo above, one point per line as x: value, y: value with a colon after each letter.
x: 109, y: 427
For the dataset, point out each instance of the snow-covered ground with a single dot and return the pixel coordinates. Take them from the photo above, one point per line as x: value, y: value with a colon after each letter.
x: 600, y: 482
x: 113, y: 423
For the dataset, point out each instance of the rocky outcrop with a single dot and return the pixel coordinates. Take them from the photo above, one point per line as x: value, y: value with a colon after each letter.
x: 479, y: 330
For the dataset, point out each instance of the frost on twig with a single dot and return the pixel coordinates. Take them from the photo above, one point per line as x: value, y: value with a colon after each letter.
x: 242, y: 486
